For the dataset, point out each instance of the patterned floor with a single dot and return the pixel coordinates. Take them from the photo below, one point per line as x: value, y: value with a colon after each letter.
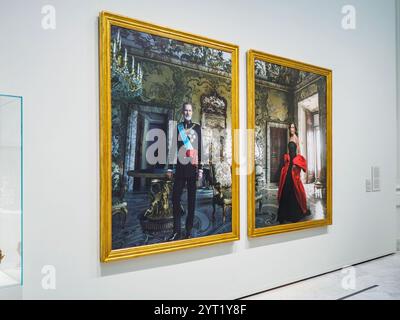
x: 132, y: 234
x: 268, y: 215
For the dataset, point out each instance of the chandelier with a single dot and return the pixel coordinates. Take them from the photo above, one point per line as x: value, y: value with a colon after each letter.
x: 127, y: 81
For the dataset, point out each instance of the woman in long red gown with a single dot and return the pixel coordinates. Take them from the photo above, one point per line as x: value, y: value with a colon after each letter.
x: 291, y: 194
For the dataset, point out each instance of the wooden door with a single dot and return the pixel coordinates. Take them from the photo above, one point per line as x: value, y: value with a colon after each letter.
x: 138, y: 151
x: 278, y: 147
x: 161, y: 126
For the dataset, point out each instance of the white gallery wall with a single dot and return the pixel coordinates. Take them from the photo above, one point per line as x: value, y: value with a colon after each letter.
x: 398, y: 119
x: 57, y: 73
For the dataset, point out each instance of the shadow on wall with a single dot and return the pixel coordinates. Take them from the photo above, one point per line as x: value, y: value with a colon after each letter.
x: 164, y: 260
x: 286, y: 237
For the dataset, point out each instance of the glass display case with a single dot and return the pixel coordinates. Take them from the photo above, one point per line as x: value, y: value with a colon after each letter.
x: 10, y: 190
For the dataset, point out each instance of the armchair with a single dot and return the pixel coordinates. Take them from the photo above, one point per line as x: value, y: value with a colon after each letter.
x: 220, y: 176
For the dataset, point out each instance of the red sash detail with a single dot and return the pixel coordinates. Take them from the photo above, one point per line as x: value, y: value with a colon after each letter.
x: 193, y: 155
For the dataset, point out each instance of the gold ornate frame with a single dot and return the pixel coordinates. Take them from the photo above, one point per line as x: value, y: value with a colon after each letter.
x: 252, y: 55
x: 106, y: 253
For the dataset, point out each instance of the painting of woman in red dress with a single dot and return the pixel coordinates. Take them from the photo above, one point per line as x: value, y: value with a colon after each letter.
x: 291, y: 194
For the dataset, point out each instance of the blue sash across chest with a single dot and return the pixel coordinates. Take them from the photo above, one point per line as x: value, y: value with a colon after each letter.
x: 184, y: 137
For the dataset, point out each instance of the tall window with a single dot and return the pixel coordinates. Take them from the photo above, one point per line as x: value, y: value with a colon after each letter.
x: 317, y: 139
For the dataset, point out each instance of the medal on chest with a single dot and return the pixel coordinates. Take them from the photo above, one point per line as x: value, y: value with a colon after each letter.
x: 191, y: 135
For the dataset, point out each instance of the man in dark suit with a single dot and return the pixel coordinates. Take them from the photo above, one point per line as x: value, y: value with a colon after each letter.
x: 187, y: 170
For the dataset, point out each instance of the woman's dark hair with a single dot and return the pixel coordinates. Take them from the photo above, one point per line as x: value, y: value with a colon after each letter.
x: 295, y: 128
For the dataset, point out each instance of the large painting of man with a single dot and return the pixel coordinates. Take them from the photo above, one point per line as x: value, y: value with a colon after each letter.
x: 173, y: 110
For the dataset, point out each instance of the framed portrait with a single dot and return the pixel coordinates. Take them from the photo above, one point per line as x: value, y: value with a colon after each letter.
x: 168, y: 152
x: 289, y: 145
